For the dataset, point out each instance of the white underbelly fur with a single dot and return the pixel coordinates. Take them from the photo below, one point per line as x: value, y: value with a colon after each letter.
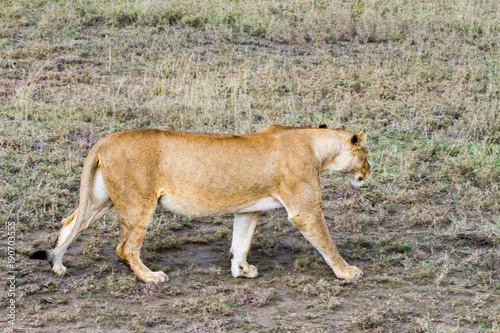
x: 262, y: 204
x: 194, y: 209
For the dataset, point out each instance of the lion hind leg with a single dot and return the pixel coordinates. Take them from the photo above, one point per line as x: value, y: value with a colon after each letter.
x: 67, y: 226
x: 98, y: 209
x: 133, y: 229
x: 56, y: 260
x: 243, y: 229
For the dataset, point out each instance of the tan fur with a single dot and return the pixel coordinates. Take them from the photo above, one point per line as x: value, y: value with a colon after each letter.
x: 205, y: 175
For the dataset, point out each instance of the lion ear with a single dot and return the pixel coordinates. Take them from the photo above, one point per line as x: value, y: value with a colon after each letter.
x: 321, y: 125
x: 358, y: 139
x: 361, y: 138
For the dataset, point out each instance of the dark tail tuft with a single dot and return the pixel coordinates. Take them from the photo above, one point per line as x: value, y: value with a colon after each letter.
x: 41, y: 255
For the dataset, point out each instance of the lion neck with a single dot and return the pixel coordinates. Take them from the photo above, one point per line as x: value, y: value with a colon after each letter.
x: 327, y: 145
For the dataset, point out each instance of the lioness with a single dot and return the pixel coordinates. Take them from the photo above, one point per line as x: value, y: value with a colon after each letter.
x: 204, y: 175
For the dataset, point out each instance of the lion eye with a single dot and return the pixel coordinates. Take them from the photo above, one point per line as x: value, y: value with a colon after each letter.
x: 360, y: 179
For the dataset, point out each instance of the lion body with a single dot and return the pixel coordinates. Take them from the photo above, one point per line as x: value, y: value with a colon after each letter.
x: 205, y: 175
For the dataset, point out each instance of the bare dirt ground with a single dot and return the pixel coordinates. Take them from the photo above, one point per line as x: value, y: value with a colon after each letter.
x: 420, y: 78
x: 408, y: 285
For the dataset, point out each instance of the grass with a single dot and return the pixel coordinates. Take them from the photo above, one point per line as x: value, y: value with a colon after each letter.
x: 420, y: 78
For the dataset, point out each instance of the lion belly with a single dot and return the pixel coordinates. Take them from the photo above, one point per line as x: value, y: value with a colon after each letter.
x: 198, y: 208
x: 262, y: 204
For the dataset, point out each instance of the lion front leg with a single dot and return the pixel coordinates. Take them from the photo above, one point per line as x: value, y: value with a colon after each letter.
x: 313, y: 227
x: 243, y: 229
x: 303, y: 204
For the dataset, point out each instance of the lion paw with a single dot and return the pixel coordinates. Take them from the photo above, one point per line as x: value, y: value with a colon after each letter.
x: 350, y: 273
x: 59, y: 268
x: 155, y: 277
x: 248, y: 271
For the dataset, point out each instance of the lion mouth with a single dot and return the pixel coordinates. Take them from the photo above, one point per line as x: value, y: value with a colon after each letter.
x: 355, y: 183
x: 356, y: 180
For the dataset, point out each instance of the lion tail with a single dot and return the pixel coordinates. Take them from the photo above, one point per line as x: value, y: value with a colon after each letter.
x: 83, y: 213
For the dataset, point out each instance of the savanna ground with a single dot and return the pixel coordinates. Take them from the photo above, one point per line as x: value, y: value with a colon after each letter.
x: 421, y: 78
